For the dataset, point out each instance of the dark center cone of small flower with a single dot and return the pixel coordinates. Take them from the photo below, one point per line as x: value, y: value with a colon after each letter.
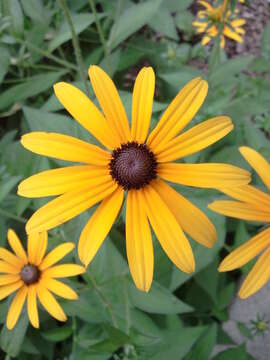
x: 133, y: 165
x: 30, y: 274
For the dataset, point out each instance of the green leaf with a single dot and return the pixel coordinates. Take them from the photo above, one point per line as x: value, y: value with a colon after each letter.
x: 35, y: 10
x: 11, y: 341
x: 32, y: 87
x: 80, y: 21
x: 266, y: 41
x: 135, y: 17
x: 204, y: 346
x: 7, y: 185
x: 183, y: 21
x: 4, y: 62
x: 176, y: 5
x: 163, y: 23
x: 159, y: 300
x: 12, y: 8
x: 238, y: 353
x: 244, y: 330
x: 226, y: 296
x: 59, y: 334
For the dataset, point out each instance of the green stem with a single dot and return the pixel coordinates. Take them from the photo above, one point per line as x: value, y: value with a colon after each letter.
x: 48, y: 55
x: 12, y: 216
x: 7, y: 357
x: 75, y: 42
x: 100, y: 33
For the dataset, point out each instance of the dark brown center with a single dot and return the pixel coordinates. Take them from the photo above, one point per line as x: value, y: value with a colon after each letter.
x: 30, y: 274
x: 133, y: 165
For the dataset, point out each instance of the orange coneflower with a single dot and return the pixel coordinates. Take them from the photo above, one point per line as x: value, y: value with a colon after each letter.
x: 130, y: 161
x: 252, y: 204
x: 33, y: 276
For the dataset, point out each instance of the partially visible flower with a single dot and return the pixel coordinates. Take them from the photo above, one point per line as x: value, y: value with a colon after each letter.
x: 211, y: 18
x: 33, y: 275
x: 253, y: 204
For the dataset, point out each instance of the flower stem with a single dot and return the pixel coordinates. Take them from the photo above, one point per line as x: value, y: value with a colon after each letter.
x: 12, y: 216
x: 75, y: 43
x: 101, y: 34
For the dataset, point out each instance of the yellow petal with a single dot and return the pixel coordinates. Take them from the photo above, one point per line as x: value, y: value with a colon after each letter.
x: 249, y: 194
x: 239, y: 30
x: 258, y: 276
x: 9, y: 289
x: 206, y: 5
x: 244, y: 253
x: 32, y: 306
x: 191, y: 219
x: 139, y: 241
x: 8, y: 279
x: 231, y: 34
x: 56, y: 254
x: 67, y: 206
x: 65, y: 147
x: 16, y: 245
x: 8, y: 268
x: 60, y: 181
x: 16, y: 307
x: 49, y: 303
x: 142, y: 102
x: 179, y: 113
x: 204, y: 175
x: 195, y: 139
x: 238, y: 22
x: 99, y: 226
x: 258, y: 163
x: 60, y: 289
x: 222, y: 41
x: 110, y: 103
x: 37, y: 246
x: 205, y: 40
x: 240, y: 210
x: 11, y: 258
x: 63, y: 270
x: 86, y: 113
x: 168, y: 231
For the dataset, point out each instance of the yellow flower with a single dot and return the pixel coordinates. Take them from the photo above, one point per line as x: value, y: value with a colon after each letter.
x: 33, y: 276
x: 134, y: 162
x: 254, y: 205
x: 209, y: 20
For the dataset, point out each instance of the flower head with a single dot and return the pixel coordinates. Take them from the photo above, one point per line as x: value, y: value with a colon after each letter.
x: 211, y: 18
x: 129, y: 160
x: 33, y: 275
x: 252, y: 204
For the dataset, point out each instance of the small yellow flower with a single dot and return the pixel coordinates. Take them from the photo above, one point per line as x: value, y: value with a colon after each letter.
x: 209, y: 20
x: 131, y: 161
x: 253, y: 204
x: 33, y: 276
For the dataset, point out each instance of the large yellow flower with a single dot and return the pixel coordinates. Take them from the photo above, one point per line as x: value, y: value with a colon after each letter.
x: 209, y: 20
x: 33, y: 275
x: 254, y: 205
x: 134, y: 162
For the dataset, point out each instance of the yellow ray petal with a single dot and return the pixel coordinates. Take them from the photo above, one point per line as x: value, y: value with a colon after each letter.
x: 191, y: 219
x: 8, y: 279
x: 9, y: 289
x: 195, y: 139
x: 249, y: 194
x: 142, y: 102
x: 99, y: 226
x: 37, y: 246
x: 67, y: 206
x: 206, y: 5
x: 238, y: 22
x: 60, y: 289
x: 204, y: 175
x: 239, y: 30
x: 240, y: 210
x: 65, y: 147
x: 56, y: 254
x: 258, y: 163
x: 60, y: 181
x: 244, y: 253
x: 168, y: 231
x: 110, y: 102
x: 15, y: 244
x: 49, y: 303
x: 32, y: 306
x: 8, y: 268
x: 86, y: 113
x: 179, y: 113
x: 11, y: 258
x: 232, y: 35
x: 63, y: 270
x: 205, y: 40
x: 16, y: 307
x: 258, y: 276
x: 222, y: 41
x: 139, y: 241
